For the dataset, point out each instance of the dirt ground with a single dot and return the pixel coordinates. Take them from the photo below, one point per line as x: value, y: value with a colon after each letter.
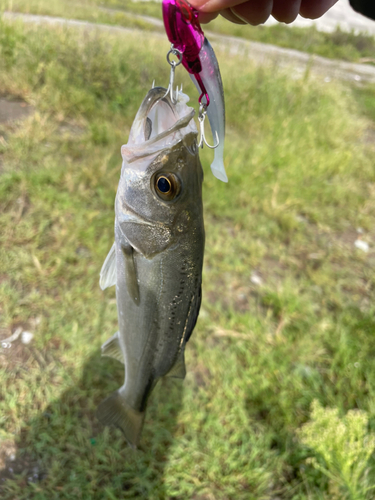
x: 11, y: 110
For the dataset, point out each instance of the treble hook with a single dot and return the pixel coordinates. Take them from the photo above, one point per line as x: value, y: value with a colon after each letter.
x: 201, y: 117
x: 173, y: 65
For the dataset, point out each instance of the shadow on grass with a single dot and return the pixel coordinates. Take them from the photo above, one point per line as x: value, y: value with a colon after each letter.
x: 66, y: 453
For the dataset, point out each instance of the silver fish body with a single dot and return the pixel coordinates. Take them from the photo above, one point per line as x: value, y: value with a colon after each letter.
x: 157, y: 257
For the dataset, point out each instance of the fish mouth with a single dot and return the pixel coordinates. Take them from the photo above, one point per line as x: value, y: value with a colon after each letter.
x: 160, y: 121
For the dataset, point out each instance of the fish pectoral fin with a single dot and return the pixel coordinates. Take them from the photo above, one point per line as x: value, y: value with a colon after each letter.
x: 108, y: 271
x: 112, y: 348
x: 178, y: 370
x: 130, y: 272
x: 116, y: 411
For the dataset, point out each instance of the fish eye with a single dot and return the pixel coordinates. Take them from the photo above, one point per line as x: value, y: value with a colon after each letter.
x: 164, y: 185
x: 167, y: 186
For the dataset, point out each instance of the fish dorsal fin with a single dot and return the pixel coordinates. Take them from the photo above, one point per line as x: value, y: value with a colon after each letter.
x: 112, y: 348
x: 130, y: 272
x: 178, y: 370
x: 108, y: 271
x: 192, y: 317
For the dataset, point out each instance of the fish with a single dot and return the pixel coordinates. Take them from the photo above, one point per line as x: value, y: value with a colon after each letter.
x: 157, y: 257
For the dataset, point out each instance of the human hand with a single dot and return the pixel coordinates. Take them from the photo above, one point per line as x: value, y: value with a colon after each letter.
x: 258, y: 11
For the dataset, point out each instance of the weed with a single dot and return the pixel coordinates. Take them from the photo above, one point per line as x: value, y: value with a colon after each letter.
x: 343, y: 447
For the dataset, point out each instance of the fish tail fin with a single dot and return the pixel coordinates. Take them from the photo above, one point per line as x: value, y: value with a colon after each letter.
x: 115, y: 410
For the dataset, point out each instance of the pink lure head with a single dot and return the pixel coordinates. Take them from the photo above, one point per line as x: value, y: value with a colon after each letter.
x: 184, y: 32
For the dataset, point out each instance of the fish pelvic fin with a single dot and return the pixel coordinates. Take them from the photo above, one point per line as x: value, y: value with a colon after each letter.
x: 112, y: 348
x: 178, y: 370
x: 108, y: 272
x: 116, y: 411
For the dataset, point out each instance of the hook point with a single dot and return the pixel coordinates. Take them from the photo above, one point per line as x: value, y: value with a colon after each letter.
x: 203, y: 140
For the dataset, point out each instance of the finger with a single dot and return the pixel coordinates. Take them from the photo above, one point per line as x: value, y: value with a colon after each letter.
x: 312, y: 9
x: 207, y: 17
x: 286, y: 12
x: 230, y: 16
x: 255, y: 7
x: 253, y: 13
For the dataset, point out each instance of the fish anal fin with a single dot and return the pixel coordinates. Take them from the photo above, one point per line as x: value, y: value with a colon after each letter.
x: 130, y: 272
x: 178, y: 370
x: 108, y: 271
x: 116, y: 411
x: 112, y: 348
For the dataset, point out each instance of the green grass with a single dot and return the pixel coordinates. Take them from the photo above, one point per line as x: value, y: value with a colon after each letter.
x: 87, y: 10
x: 301, y: 181
x: 337, y: 45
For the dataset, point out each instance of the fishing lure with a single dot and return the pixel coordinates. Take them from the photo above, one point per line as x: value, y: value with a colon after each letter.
x: 195, y: 53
